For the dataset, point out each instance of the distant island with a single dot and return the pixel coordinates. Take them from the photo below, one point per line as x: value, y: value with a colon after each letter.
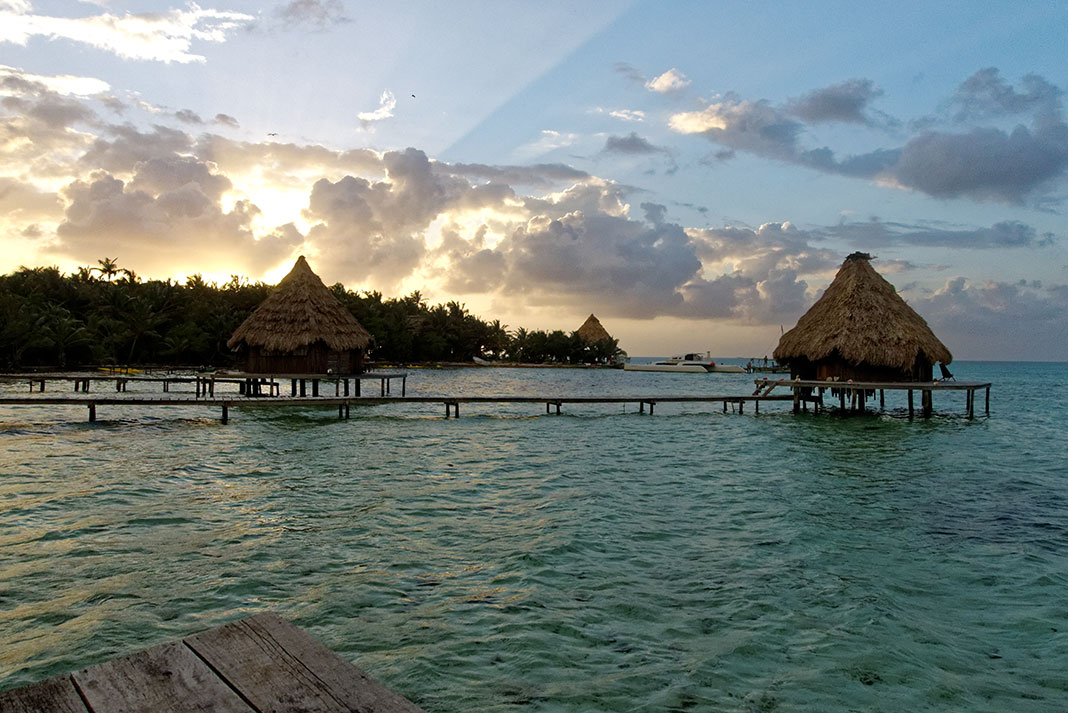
x: 106, y: 315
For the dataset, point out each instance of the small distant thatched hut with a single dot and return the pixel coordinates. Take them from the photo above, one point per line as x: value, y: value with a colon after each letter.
x: 301, y: 328
x: 592, y: 331
x: 861, y: 329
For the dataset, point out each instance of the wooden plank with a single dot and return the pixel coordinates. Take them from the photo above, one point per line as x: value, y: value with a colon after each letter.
x: 279, y: 667
x: 168, y: 678
x: 56, y: 695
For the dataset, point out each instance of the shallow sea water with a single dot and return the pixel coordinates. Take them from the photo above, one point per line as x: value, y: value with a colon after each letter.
x: 600, y: 560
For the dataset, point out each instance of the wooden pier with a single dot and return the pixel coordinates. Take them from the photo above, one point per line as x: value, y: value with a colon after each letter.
x: 852, y: 395
x: 344, y: 404
x: 258, y: 664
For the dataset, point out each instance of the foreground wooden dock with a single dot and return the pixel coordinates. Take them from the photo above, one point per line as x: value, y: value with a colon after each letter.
x: 854, y: 394
x: 258, y: 664
x: 344, y: 404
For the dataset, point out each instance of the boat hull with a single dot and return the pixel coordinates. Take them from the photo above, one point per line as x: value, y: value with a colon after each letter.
x: 677, y: 368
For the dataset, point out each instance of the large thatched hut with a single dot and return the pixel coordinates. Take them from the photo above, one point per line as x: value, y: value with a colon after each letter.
x: 301, y: 328
x: 592, y: 331
x: 861, y: 329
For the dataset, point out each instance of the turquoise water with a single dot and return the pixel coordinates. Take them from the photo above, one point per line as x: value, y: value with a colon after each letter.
x: 601, y: 560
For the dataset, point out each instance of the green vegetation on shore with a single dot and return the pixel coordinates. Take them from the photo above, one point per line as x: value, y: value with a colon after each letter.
x: 107, y: 315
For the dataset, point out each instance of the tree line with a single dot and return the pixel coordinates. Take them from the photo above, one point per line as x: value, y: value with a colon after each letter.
x: 105, y: 315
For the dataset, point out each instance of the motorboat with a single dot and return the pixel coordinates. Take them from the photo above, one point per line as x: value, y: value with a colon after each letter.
x: 693, y: 363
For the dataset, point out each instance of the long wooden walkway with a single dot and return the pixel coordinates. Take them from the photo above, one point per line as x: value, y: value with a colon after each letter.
x: 259, y: 664
x: 344, y: 404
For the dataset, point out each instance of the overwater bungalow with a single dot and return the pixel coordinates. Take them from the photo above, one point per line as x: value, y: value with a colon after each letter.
x: 301, y: 328
x: 861, y: 329
x: 592, y: 331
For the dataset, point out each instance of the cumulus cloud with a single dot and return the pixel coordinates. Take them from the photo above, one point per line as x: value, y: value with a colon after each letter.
x: 386, y: 104
x: 159, y: 36
x: 22, y: 202
x: 628, y: 114
x: 163, y: 222
x: 319, y: 14
x: 670, y: 81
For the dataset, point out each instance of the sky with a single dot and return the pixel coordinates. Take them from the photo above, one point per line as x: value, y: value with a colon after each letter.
x: 693, y: 173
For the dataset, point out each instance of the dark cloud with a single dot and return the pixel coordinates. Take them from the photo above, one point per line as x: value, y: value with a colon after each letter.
x: 631, y: 144
x: 875, y: 233
x: 1027, y: 317
x: 130, y: 146
x: 983, y: 163
x: 187, y: 116
x: 630, y: 72
x: 320, y: 14
x: 986, y: 94
x: 226, y: 120
x: 847, y: 101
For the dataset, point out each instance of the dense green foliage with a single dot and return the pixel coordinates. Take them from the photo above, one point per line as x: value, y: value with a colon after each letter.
x: 106, y: 315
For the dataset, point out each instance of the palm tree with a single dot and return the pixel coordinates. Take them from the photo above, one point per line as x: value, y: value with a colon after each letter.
x: 109, y: 267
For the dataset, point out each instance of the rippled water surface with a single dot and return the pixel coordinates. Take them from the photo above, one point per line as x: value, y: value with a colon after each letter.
x: 600, y: 560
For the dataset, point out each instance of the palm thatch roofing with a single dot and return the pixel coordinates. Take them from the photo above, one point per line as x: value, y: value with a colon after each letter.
x: 861, y: 316
x: 299, y: 312
x: 592, y: 331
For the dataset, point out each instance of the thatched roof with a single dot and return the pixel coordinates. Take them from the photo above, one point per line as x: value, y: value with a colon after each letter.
x: 862, y: 317
x: 592, y: 331
x: 299, y: 312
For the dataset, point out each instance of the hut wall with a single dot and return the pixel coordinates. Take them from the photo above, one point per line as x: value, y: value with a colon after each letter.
x: 835, y: 366
x: 316, y: 359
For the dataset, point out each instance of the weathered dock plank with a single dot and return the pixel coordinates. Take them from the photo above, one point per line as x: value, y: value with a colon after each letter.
x: 166, y: 678
x: 260, y: 664
x: 56, y: 695
x: 301, y: 673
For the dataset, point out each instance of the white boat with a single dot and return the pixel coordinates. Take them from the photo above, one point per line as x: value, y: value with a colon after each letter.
x: 693, y: 363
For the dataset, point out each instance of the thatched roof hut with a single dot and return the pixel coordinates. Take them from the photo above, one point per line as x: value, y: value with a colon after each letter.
x: 592, y: 331
x: 861, y: 329
x: 301, y: 328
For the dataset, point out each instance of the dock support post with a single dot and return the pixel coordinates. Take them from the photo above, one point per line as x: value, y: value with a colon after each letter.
x: 382, y: 387
x: 756, y: 405
x: 92, y: 412
x: 225, y: 414
x: 315, y: 387
x: 910, y: 403
x: 841, y: 400
x: 971, y: 403
x: 641, y: 407
x: 988, y: 401
x: 741, y: 406
x: 340, y: 412
x: 404, y: 385
x: 797, y: 400
x: 724, y: 405
x: 882, y: 399
x: 347, y: 411
x: 292, y: 387
x: 652, y: 405
x: 557, y: 408
x: 928, y: 403
x: 303, y: 388
x: 547, y: 404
